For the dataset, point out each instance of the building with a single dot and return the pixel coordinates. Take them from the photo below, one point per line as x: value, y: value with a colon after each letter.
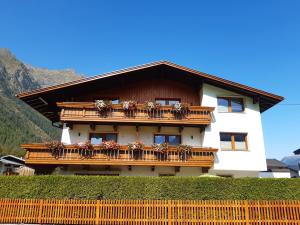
x: 12, y: 165
x: 211, y: 125
x: 293, y: 163
x: 276, y: 169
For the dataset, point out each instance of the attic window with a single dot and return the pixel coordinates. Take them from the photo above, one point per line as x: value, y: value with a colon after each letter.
x: 230, y: 104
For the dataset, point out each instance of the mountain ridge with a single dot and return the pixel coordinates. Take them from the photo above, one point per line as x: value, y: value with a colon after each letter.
x: 19, y: 122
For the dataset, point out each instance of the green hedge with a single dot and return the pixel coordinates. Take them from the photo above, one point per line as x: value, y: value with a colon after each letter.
x: 93, y: 187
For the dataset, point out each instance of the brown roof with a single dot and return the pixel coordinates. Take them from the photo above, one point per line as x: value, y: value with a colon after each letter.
x: 265, y: 99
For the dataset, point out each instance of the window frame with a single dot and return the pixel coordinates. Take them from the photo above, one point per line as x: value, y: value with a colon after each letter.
x: 229, y: 99
x: 104, y: 134
x: 167, y: 137
x: 233, y: 145
x: 167, y: 100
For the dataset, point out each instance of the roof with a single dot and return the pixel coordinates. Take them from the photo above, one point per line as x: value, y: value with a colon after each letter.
x: 13, y: 160
x: 265, y: 99
x: 275, y: 165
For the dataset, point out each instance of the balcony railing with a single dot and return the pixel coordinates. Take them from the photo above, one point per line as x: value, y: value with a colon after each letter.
x: 40, y: 154
x: 87, y: 112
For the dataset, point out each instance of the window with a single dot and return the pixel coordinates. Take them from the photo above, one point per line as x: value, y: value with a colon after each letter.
x: 171, y: 139
x: 112, y: 100
x: 226, y: 104
x: 115, y: 101
x: 97, y: 174
x: 225, y: 175
x: 98, y: 138
x: 167, y: 101
x: 166, y: 175
x: 233, y: 141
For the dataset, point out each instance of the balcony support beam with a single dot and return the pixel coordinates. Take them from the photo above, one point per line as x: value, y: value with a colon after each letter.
x: 115, y: 127
x: 93, y: 126
x: 158, y: 129
x: 180, y: 128
x: 177, y: 169
x: 202, y: 129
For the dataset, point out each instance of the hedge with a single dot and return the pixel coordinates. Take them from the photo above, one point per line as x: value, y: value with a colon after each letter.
x: 97, y: 187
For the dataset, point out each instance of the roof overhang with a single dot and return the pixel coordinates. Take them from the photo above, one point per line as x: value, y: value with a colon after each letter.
x: 43, y: 100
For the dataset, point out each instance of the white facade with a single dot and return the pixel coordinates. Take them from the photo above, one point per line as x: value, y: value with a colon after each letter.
x: 235, y: 162
x: 275, y: 175
x: 246, y: 163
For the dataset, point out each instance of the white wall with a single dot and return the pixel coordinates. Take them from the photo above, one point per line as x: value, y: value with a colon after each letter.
x: 128, y: 134
x: 248, y: 121
x: 135, y: 171
x: 275, y: 175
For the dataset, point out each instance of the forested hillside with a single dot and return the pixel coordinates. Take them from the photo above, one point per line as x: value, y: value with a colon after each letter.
x: 18, y: 122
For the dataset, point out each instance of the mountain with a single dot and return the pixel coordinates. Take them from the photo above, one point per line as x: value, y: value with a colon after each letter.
x: 18, y: 122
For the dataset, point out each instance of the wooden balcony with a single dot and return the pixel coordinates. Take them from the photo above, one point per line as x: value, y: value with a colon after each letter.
x: 40, y: 154
x: 87, y: 112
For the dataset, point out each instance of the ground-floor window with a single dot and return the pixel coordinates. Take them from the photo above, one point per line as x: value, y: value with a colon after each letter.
x: 98, y: 138
x: 233, y: 141
x: 166, y: 175
x: 96, y: 174
x: 166, y: 138
x: 225, y: 175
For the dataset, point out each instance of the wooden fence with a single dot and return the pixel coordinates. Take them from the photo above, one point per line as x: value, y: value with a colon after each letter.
x: 155, y: 212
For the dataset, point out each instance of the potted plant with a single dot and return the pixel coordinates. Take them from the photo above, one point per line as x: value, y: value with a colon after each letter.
x: 184, y: 151
x: 135, y: 149
x: 86, y: 149
x: 56, y: 148
x: 111, y: 148
x: 180, y: 108
x: 129, y: 106
x: 103, y: 106
x: 152, y: 106
x: 161, y: 150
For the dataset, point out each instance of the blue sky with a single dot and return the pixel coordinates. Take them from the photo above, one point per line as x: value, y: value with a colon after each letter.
x: 252, y: 42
